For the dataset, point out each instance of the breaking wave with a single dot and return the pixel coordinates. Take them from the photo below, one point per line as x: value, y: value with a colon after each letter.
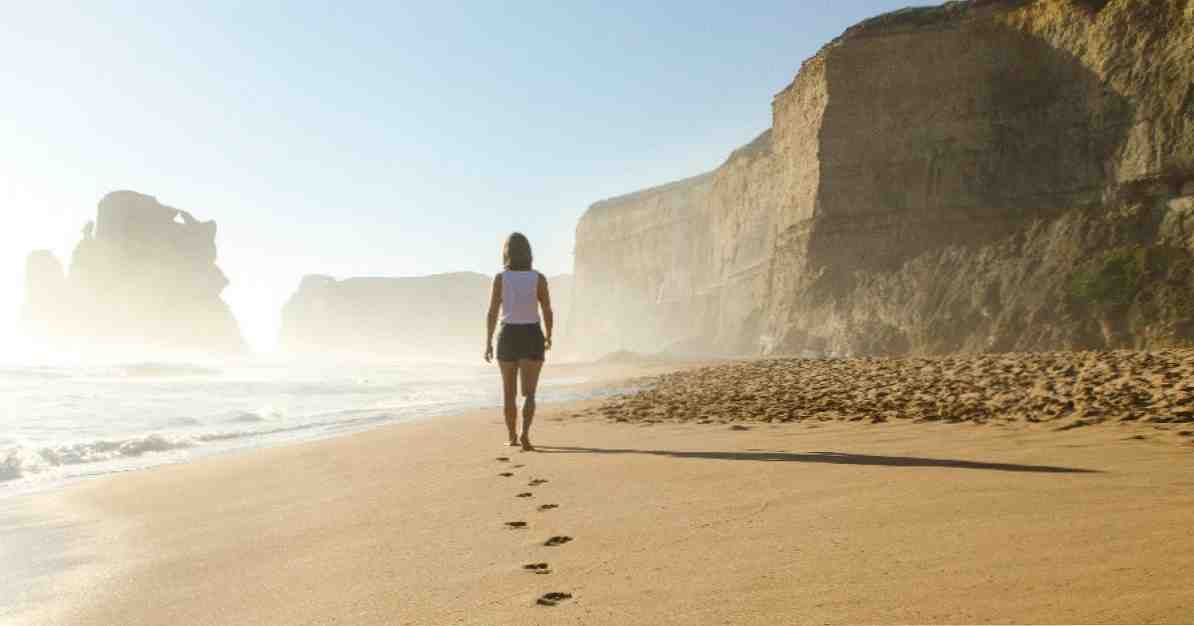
x: 24, y: 461
x: 21, y: 461
x: 73, y: 422
x: 264, y: 414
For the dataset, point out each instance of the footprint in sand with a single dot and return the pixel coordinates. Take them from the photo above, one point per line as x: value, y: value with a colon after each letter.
x: 557, y: 541
x: 525, y: 494
x: 503, y: 458
x: 548, y: 507
x: 553, y: 598
x: 538, y: 568
x: 537, y: 482
x: 519, y: 465
x: 506, y: 474
x: 516, y: 524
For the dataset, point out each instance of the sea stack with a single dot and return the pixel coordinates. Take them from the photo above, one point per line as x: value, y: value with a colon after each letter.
x: 981, y: 176
x: 142, y: 280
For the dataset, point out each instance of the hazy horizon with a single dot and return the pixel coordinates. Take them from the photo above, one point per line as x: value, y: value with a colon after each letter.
x: 397, y: 141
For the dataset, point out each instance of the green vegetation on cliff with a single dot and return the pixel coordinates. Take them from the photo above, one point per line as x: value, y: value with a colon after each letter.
x: 1111, y: 280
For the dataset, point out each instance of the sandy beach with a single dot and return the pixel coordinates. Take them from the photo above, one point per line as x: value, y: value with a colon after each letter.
x: 846, y: 313
x: 656, y: 523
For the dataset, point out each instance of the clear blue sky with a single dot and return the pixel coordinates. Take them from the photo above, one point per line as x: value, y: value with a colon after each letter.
x: 394, y: 139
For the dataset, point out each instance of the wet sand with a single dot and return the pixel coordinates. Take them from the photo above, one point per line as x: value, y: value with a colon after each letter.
x: 655, y: 522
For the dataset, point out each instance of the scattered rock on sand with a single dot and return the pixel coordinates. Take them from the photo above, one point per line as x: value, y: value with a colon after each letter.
x: 553, y: 598
x: 1072, y: 389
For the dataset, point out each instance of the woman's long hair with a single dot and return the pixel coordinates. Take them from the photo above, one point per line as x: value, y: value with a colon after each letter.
x: 516, y: 253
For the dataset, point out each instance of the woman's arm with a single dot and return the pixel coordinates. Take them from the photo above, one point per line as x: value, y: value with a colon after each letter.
x: 545, y: 303
x: 495, y: 303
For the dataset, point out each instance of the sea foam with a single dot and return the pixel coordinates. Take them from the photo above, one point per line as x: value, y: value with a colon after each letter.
x: 21, y: 461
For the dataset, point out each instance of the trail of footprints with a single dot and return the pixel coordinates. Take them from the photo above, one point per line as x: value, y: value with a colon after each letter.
x: 555, y: 597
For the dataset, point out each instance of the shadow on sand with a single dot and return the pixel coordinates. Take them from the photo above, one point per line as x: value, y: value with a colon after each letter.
x: 839, y: 458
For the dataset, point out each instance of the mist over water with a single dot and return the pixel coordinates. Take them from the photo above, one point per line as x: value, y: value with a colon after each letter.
x: 66, y: 421
x: 127, y: 356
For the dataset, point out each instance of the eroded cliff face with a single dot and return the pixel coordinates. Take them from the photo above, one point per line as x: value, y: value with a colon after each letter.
x: 640, y: 261
x: 996, y: 175
x: 143, y: 280
x: 438, y: 317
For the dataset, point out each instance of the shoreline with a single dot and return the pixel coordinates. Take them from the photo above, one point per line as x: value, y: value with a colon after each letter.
x: 793, y: 520
x: 669, y: 521
x: 566, y: 382
x: 52, y: 538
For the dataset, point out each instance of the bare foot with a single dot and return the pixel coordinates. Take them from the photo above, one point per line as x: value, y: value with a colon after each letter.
x: 526, y: 444
x: 513, y: 443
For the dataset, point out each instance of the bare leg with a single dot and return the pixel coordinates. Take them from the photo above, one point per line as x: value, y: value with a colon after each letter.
x: 510, y: 397
x: 530, y: 382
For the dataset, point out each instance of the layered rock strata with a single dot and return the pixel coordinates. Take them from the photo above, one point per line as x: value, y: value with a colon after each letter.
x: 438, y: 317
x: 143, y: 279
x: 980, y: 176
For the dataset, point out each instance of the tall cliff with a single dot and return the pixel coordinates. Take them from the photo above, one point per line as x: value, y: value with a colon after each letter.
x: 980, y: 176
x: 143, y: 279
x: 438, y: 317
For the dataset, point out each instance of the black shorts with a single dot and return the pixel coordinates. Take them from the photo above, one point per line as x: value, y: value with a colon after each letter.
x: 516, y: 342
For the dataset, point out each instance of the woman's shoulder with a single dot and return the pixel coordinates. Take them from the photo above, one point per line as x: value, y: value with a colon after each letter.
x: 521, y: 274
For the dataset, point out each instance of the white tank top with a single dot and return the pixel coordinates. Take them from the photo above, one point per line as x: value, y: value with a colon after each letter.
x: 520, y: 297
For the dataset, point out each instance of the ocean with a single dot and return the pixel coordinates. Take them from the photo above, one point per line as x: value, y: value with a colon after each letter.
x: 64, y: 423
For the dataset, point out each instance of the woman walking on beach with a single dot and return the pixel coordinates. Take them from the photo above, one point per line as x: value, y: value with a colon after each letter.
x: 519, y: 292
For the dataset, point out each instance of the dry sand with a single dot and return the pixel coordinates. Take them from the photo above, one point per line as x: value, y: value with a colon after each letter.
x: 670, y: 523
x: 1064, y: 389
